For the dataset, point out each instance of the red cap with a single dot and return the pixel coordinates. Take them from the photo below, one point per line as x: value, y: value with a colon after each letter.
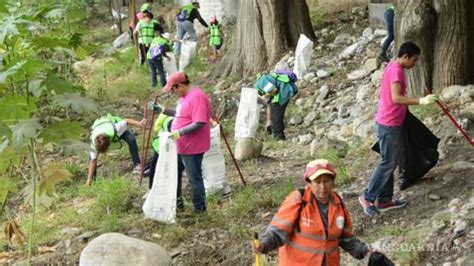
x: 173, y: 80
x: 318, y: 167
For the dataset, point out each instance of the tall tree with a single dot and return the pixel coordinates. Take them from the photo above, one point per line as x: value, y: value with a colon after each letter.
x: 265, y: 30
x: 444, y: 31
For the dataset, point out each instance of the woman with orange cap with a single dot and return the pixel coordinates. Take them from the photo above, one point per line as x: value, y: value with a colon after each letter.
x: 312, y: 223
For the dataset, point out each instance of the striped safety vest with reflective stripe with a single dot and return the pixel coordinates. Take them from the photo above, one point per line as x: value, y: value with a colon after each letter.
x: 310, y: 244
x: 147, y: 32
x: 165, y: 125
x: 215, y: 35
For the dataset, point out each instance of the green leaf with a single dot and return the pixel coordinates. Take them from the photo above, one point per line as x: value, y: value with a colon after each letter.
x: 59, y: 85
x: 31, y: 67
x: 35, y: 86
x: 76, y: 14
x: 16, y: 107
x: 11, y: 71
x: 24, y: 130
x: 10, y: 26
x: 9, y: 157
x: 3, y: 7
x: 62, y: 130
x: 49, y: 42
x: 7, y: 185
x: 53, y: 173
x: 76, y: 102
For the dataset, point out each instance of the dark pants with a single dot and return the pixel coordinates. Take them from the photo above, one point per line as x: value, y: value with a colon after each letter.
x: 389, y: 14
x: 129, y: 138
x: 153, y: 162
x: 390, y: 140
x: 193, y: 166
x: 277, y: 116
x: 156, y: 65
x: 143, y: 51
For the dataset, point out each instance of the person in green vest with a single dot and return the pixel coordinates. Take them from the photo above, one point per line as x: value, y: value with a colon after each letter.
x: 146, y: 33
x: 275, y: 90
x: 389, y: 17
x: 162, y: 123
x: 158, y: 48
x: 184, y: 24
x: 216, y: 37
x: 108, y: 129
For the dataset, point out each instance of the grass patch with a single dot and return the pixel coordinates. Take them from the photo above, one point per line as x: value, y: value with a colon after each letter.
x: 343, y: 174
x: 317, y: 19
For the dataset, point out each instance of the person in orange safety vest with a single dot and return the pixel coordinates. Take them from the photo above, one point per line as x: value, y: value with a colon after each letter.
x: 312, y: 223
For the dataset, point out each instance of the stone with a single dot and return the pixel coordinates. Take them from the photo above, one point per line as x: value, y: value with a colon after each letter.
x: 434, y: 196
x: 247, y: 148
x: 342, y: 38
x: 358, y: 74
x: 310, y: 118
x: 296, y: 120
x: 282, y: 65
x: 300, y: 102
x: 331, y: 117
x: 363, y: 92
x: 322, y: 74
x: 342, y: 110
x: 309, y: 76
x: 467, y: 96
x: 452, y: 92
x: 364, y: 127
x: 380, y: 32
x: 70, y: 230
x: 305, y: 139
x: 462, y: 165
x: 376, y: 77
x: 367, y: 32
x: 349, y: 51
x: 115, y: 249
x: 122, y: 40
x: 319, y: 147
x: 323, y: 93
x: 460, y: 225
x: 455, y: 202
x: 370, y: 65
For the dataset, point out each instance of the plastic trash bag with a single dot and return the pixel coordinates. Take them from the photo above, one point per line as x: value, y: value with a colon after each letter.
x: 213, y: 165
x: 379, y: 259
x: 188, y: 49
x: 303, y: 53
x: 169, y: 65
x: 246, y: 123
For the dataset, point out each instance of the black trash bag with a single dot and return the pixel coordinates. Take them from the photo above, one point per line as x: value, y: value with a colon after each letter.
x: 379, y: 259
x: 420, y: 151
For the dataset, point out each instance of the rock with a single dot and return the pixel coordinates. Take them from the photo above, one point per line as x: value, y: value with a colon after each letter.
x: 296, y: 120
x: 247, y: 148
x: 305, y: 139
x: 342, y: 38
x: 85, y: 236
x: 367, y: 32
x: 342, y: 110
x: 322, y: 74
x: 452, y: 92
x: 460, y: 226
x: 434, y: 196
x: 300, y: 102
x: 376, y: 77
x: 467, y: 96
x: 319, y: 147
x: 462, y: 165
x: 358, y: 74
x: 370, y: 65
x: 357, y: 10
x: 349, y: 51
x: 115, y: 249
x: 363, y: 92
x: 122, y: 40
x: 70, y: 230
x: 282, y: 65
x: 380, y: 32
x: 309, y: 76
x: 310, y: 118
x: 331, y: 117
x: 364, y: 127
x: 323, y: 93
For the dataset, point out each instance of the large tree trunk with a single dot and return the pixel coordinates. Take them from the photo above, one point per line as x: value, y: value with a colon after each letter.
x: 265, y: 30
x: 443, y: 29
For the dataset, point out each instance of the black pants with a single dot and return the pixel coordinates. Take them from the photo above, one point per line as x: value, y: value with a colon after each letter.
x: 154, y: 160
x: 277, y: 116
x: 143, y: 51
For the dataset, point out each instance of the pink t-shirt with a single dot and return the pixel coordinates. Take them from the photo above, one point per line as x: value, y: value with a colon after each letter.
x: 193, y: 107
x: 390, y: 113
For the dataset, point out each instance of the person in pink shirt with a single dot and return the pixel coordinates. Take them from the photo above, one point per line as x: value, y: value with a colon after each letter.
x: 192, y: 131
x: 389, y: 119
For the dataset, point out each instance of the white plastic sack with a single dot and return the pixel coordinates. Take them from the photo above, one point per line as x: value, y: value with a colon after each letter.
x: 188, y: 49
x: 213, y: 164
x: 169, y: 65
x: 303, y: 53
x: 122, y: 40
x: 246, y: 123
x: 160, y: 204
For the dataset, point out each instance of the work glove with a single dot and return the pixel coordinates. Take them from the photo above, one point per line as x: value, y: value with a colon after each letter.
x: 175, y: 135
x: 264, y: 100
x: 156, y: 107
x: 429, y: 99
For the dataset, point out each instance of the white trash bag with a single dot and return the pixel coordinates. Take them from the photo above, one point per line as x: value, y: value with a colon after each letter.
x: 169, y: 65
x: 160, y: 204
x: 246, y: 123
x: 213, y: 165
x: 303, y: 53
x: 188, y: 49
x: 122, y: 40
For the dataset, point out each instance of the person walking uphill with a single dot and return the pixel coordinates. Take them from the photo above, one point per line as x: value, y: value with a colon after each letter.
x: 389, y: 119
x: 146, y: 30
x: 312, y: 223
x: 192, y: 131
x: 276, y: 89
x: 389, y: 17
x: 106, y: 130
x: 216, y: 37
x: 184, y: 24
x: 159, y: 46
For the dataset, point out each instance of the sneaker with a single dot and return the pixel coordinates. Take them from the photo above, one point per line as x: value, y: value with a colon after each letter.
x: 393, y: 204
x: 369, y: 207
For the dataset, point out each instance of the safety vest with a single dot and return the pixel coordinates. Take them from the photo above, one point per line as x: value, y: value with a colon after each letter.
x: 147, y: 32
x: 157, y: 42
x: 286, y: 88
x: 160, y: 124
x: 184, y: 12
x: 308, y: 243
x: 214, y: 35
x: 105, y: 125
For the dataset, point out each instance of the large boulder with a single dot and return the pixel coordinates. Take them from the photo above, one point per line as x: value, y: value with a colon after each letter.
x: 118, y: 249
x: 247, y: 148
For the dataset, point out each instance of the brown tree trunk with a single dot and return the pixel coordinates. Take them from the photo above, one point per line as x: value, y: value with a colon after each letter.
x: 443, y: 29
x: 265, y: 30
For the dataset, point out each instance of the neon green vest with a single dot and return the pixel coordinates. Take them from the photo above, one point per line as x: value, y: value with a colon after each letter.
x: 159, y: 41
x: 215, y: 35
x: 160, y: 124
x: 105, y: 125
x: 391, y: 6
x: 187, y: 8
x: 147, y: 32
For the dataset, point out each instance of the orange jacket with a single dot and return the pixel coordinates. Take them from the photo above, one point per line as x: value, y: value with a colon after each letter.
x: 309, y: 245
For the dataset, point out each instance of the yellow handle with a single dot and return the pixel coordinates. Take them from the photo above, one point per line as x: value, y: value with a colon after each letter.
x: 258, y: 261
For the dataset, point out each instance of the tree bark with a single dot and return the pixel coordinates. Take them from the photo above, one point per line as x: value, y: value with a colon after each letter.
x: 444, y: 31
x: 265, y: 30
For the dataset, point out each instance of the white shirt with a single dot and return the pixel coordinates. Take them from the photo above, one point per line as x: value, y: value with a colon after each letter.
x: 120, y: 128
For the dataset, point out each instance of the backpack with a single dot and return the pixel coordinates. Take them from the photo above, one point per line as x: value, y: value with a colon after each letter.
x: 291, y: 75
x: 184, y: 12
x: 157, y: 51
